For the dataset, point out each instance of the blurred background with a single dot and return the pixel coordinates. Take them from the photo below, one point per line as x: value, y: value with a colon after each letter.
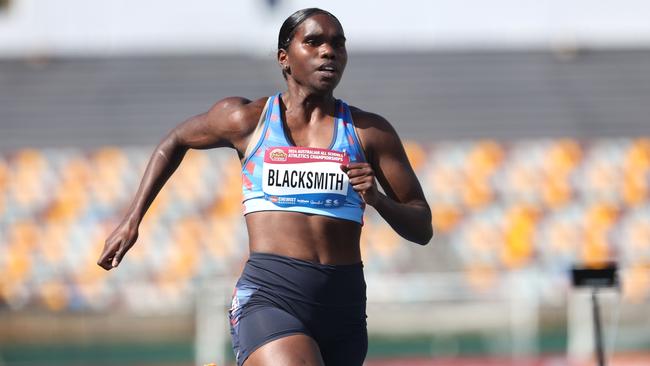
x: 528, y: 123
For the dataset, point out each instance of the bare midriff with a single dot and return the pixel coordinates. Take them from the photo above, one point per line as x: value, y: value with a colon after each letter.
x: 314, y: 238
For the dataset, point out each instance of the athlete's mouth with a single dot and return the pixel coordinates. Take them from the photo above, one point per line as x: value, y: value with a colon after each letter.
x: 328, y: 68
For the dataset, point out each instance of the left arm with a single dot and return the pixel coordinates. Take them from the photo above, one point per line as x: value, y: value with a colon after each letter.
x: 404, y: 206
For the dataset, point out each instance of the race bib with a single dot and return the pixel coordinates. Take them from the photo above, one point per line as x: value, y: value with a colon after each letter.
x: 300, y: 176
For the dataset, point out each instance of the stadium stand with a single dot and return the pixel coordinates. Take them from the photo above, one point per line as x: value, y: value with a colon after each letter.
x: 545, y: 203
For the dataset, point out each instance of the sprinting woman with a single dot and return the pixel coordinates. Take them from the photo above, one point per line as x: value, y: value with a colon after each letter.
x: 310, y: 164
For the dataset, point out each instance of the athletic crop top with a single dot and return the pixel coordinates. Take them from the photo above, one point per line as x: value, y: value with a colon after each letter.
x: 278, y: 176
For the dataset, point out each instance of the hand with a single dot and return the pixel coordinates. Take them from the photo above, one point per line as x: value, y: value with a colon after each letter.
x: 117, y: 244
x: 362, y: 178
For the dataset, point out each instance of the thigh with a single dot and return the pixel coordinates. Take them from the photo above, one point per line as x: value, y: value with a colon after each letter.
x: 260, y: 326
x: 292, y: 350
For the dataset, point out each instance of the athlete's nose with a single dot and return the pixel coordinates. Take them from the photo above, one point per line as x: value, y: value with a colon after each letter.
x: 326, y: 50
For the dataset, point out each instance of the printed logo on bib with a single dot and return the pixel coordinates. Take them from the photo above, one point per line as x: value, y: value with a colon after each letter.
x: 278, y: 155
x: 301, y: 176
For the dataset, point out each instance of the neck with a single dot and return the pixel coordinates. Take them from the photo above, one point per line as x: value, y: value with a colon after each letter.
x: 307, y: 105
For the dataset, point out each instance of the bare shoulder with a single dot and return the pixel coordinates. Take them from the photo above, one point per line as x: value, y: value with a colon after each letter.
x: 236, y: 114
x: 374, y: 130
x: 228, y: 123
x: 366, y: 119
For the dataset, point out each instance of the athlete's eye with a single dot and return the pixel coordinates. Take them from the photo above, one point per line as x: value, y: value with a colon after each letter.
x: 338, y: 42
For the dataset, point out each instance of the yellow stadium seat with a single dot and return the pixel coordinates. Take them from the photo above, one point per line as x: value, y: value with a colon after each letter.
x: 561, y: 160
x: 416, y: 154
x: 634, y: 236
x: 599, y: 220
x: 601, y: 174
x: 445, y: 217
x: 519, y: 233
x: 636, y: 170
x: 54, y: 247
x: 636, y: 283
x: 106, y: 181
x: 26, y: 180
x: 481, y: 163
x: 71, y: 196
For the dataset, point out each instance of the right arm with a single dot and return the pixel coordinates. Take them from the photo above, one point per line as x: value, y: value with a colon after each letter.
x: 228, y: 123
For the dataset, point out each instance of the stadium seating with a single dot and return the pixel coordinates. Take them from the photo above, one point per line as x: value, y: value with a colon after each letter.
x: 545, y: 204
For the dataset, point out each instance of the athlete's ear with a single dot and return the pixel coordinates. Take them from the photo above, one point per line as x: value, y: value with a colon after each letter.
x: 283, y: 59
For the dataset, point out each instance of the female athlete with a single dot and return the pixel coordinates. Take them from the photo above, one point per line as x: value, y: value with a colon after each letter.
x: 310, y: 164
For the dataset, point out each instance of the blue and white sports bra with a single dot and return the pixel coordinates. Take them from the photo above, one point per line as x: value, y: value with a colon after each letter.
x: 278, y: 176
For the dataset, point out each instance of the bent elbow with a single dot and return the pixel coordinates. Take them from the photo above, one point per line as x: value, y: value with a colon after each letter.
x: 421, y: 241
x: 424, y: 236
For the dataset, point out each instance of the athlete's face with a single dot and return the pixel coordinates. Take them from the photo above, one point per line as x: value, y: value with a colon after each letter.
x: 316, y: 56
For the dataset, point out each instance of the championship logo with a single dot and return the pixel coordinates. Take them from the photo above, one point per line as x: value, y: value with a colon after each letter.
x: 278, y: 155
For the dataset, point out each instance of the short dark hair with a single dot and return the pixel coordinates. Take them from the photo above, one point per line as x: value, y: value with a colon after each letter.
x: 288, y: 28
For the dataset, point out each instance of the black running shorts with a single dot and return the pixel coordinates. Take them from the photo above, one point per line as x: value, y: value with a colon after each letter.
x: 277, y: 296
